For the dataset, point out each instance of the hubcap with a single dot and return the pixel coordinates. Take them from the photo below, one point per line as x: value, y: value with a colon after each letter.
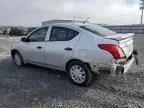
x: 77, y: 73
x: 17, y: 59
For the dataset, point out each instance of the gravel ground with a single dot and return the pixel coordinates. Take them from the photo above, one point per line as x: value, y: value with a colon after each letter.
x: 37, y: 87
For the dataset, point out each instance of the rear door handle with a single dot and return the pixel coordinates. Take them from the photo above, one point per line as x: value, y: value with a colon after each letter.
x: 39, y: 47
x: 68, y: 49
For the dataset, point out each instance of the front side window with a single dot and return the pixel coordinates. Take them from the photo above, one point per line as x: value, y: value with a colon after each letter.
x: 62, y: 34
x: 39, y: 35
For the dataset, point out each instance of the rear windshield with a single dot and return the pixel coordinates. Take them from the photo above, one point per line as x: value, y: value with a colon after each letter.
x: 101, y: 31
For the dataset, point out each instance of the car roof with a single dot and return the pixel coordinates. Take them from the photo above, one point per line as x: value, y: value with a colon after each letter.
x: 65, y: 24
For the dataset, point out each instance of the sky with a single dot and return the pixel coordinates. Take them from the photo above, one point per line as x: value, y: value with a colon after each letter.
x: 33, y: 12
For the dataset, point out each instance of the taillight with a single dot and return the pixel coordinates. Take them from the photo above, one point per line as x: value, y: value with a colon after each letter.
x: 115, y: 50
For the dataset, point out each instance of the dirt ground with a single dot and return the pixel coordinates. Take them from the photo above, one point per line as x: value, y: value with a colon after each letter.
x: 37, y: 87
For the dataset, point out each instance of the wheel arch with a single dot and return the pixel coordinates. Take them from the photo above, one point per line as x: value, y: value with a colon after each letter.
x: 13, y: 51
x: 71, y: 60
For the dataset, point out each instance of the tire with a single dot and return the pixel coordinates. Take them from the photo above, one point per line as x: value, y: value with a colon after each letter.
x: 79, y: 73
x: 18, y: 59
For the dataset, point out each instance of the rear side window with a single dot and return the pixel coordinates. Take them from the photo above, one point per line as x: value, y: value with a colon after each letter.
x: 62, y: 34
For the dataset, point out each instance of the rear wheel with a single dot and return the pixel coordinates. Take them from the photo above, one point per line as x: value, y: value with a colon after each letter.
x: 79, y: 73
x: 18, y: 59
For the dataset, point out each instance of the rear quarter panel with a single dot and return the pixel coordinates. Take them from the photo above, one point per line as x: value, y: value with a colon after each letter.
x: 87, y: 49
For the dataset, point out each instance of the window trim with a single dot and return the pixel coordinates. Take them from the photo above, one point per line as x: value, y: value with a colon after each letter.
x: 29, y: 35
x: 64, y: 28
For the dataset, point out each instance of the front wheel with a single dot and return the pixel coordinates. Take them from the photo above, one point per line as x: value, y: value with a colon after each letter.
x: 18, y: 59
x: 79, y: 73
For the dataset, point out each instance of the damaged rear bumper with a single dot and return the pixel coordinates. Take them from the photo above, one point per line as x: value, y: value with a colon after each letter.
x: 118, y: 68
x: 122, y: 68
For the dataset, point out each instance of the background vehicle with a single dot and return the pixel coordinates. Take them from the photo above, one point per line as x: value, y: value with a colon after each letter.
x: 80, y: 50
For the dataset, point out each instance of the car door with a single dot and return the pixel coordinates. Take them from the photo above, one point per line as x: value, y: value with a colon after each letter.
x: 33, y: 50
x: 60, y: 46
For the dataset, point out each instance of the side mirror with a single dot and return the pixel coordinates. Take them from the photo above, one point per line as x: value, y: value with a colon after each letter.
x: 24, y: 39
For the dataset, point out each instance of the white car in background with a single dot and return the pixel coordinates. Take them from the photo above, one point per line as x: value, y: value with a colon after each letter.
x: 79, y: 50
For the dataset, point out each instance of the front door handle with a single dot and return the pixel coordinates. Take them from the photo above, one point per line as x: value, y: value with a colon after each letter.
x: 68, y: 49
x: 39, y: 47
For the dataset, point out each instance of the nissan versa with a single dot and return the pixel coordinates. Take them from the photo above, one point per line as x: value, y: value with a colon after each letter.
x: 80, y: 50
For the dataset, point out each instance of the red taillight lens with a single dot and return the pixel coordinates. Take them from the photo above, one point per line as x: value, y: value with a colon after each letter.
x: 115, y: 50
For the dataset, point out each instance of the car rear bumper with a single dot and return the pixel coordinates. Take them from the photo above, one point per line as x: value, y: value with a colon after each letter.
x: 124, y: 67
x: 128, y: 64
x: 117, y: 67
